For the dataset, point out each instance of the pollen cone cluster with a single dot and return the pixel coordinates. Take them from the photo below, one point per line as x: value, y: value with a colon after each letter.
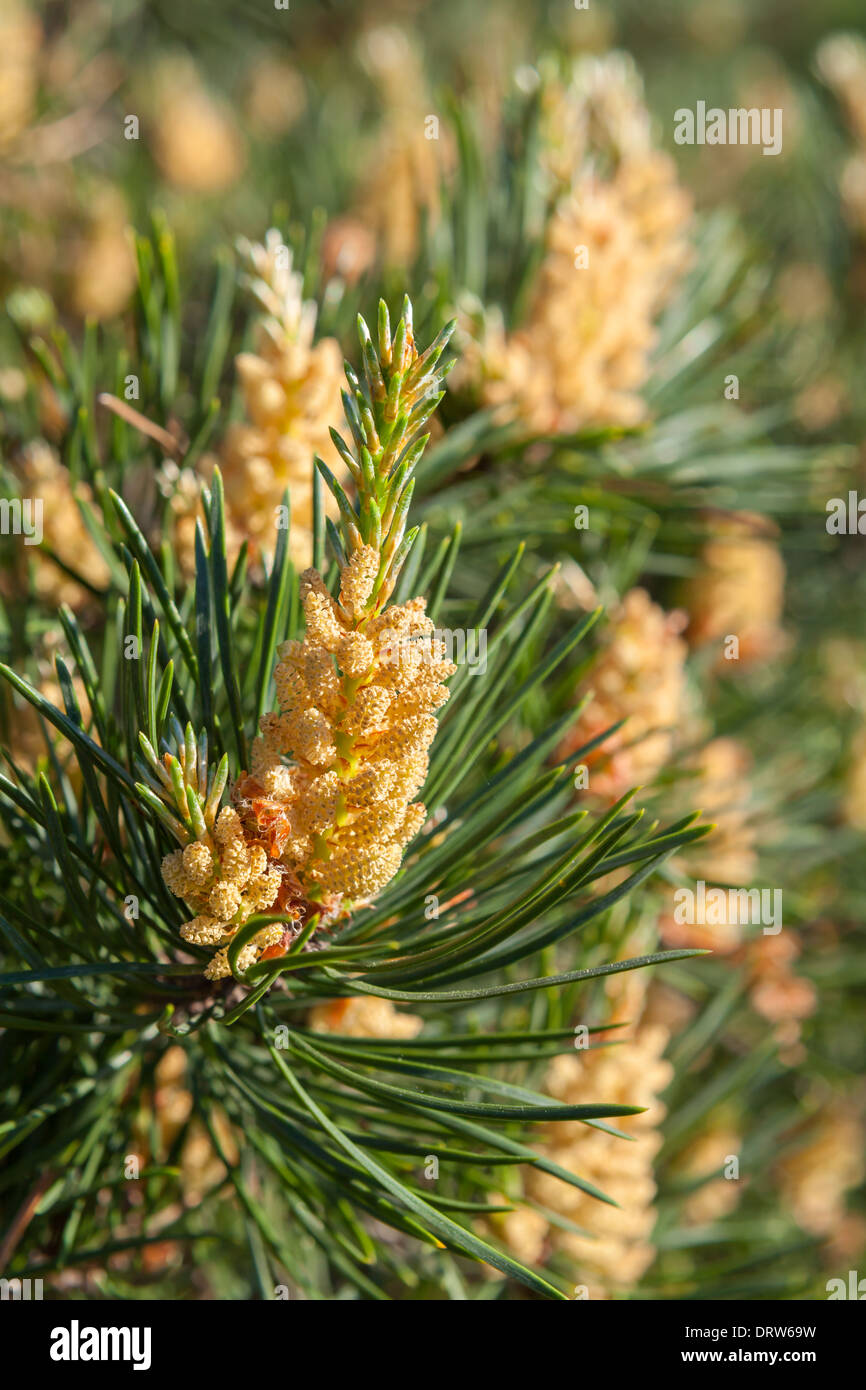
x: 321, y: 819
x: 816, y: 1177
x: 615, y: 245
x: 356, y: 719
x: 604, y: 104
x: 523, y: 1230
x: 20, y: 44
x: 46, y: 482
x: 291, y: 393
x: 195, y: 139
x: 224, y: 881
x: 336, y: 767
x: 222, y: 873
x: 103, y: 266
x: 739, y: 591
x: 708, y: 1157
x: 620, y: 1249
x: 167, y: 1116
x: 723, y: 789
x: 778, y: 993
x: 640, y: 678
x: 402, y: 186
x: 841, y: 61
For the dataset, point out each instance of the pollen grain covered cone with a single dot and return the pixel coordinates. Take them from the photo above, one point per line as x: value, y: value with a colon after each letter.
x: 290, y: 387
x: 224, y: 875
x: 615, y: 247
x: 338, y: 764
x: 357, y: 698
x: 323, y: 815
x: 225, y: 881
x: 291, y: 391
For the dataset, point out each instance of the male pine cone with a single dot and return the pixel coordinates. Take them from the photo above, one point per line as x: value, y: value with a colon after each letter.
x: 326, y: 810
x: 357, y: 699
x: 347, y: 751
x: 224, y: 880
